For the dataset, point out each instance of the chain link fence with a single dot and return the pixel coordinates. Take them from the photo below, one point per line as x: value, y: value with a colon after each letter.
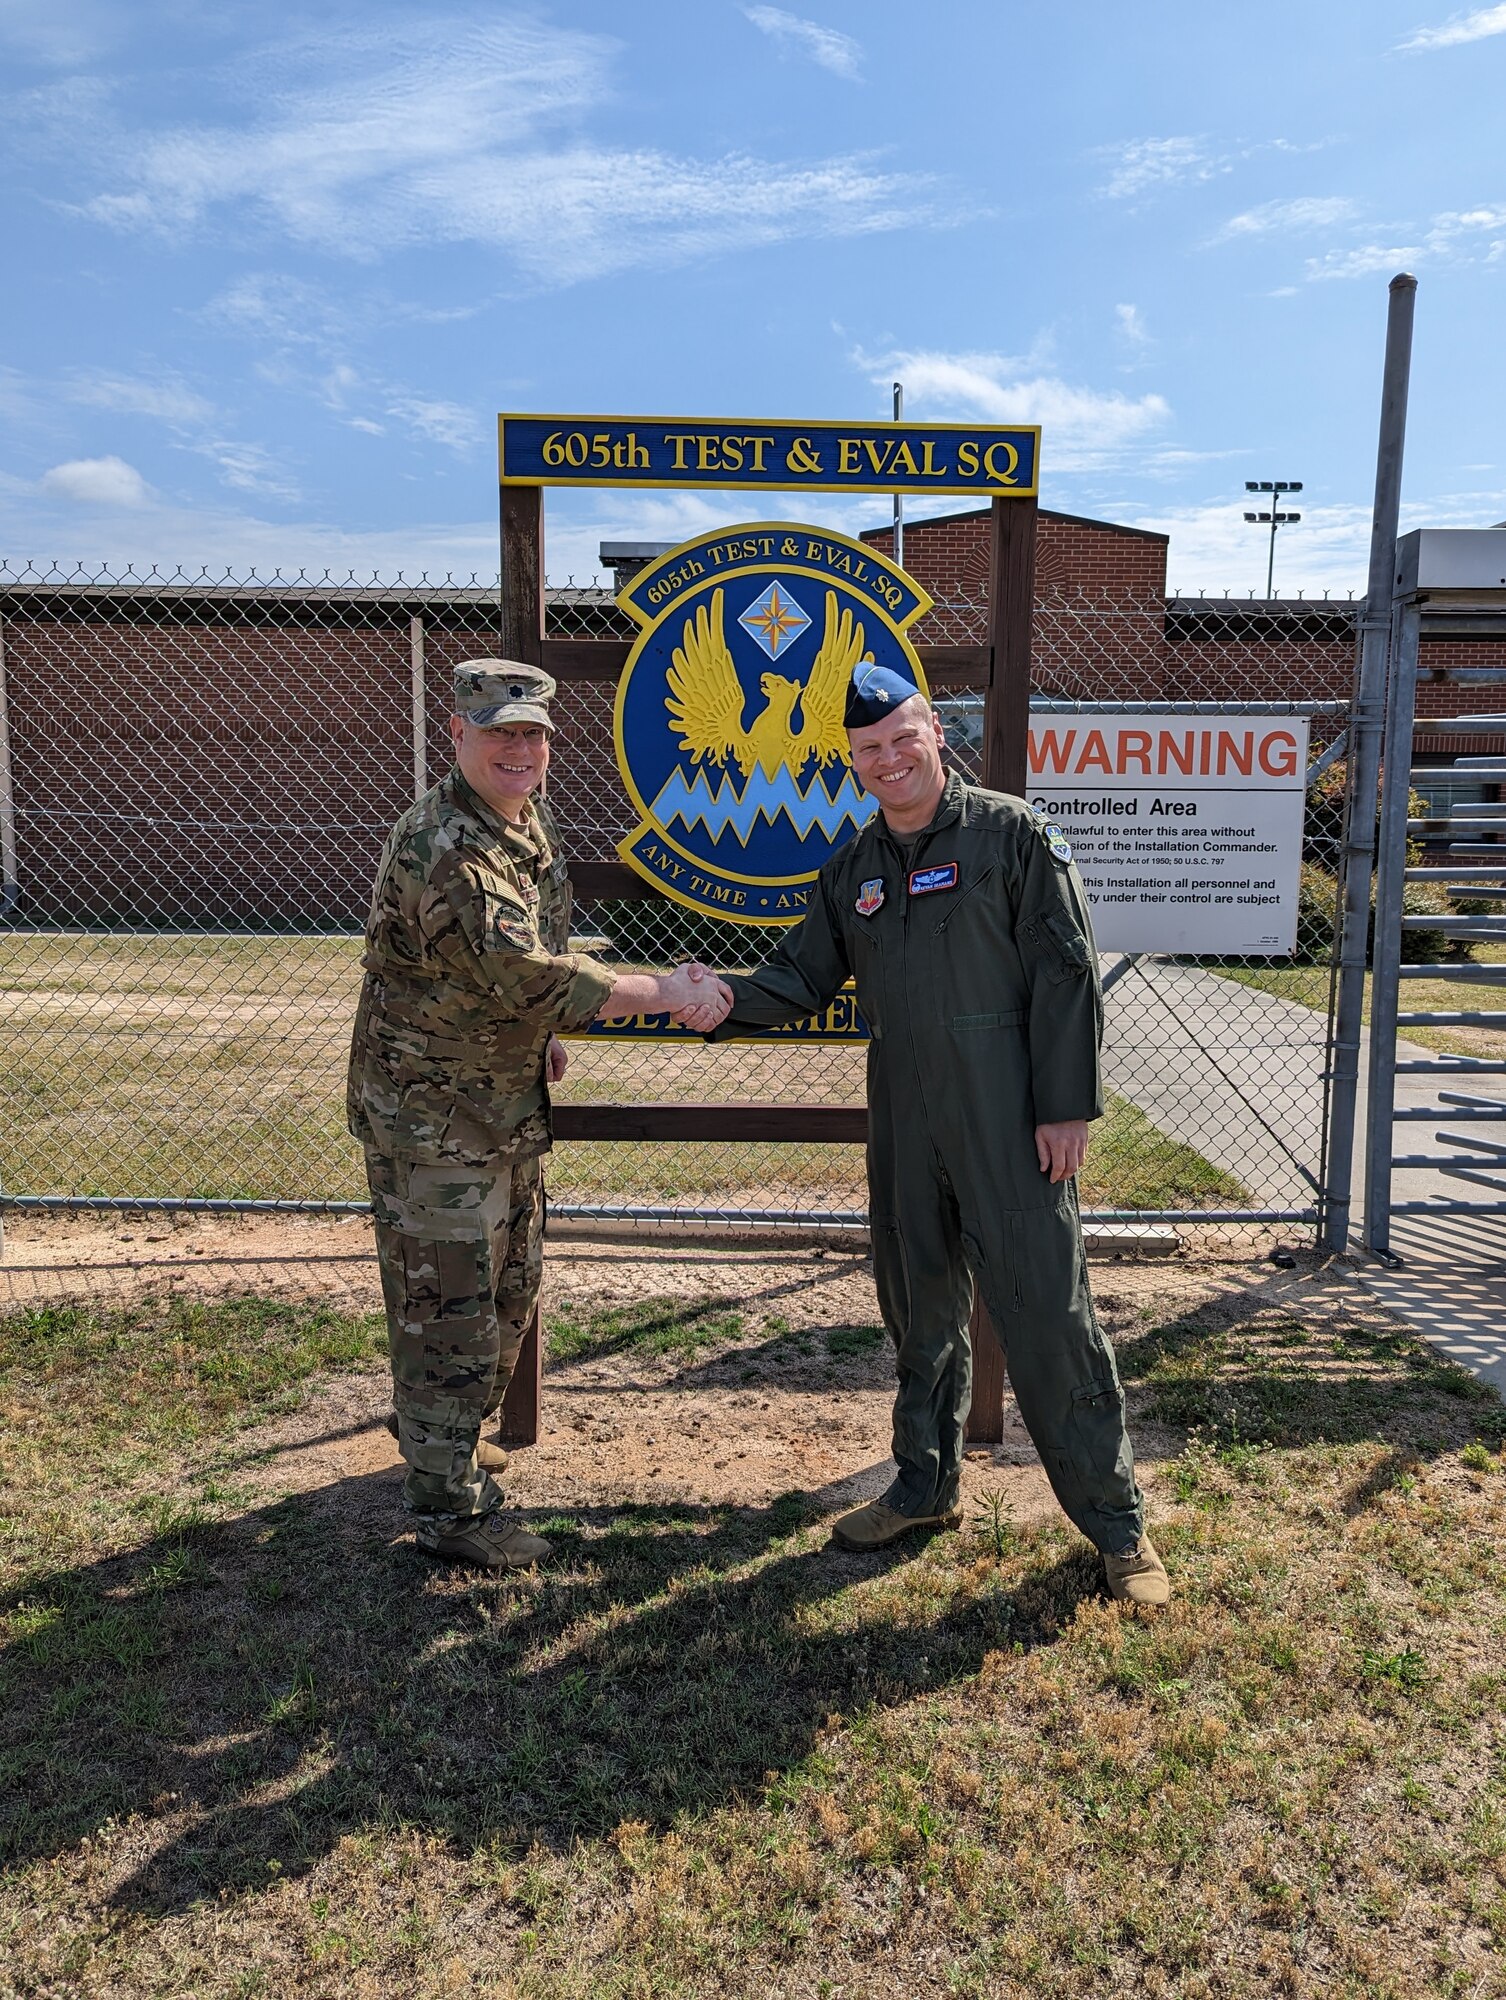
x: 196, y: 776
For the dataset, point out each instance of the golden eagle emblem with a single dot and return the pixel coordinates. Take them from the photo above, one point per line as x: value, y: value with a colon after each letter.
x: 706, y: 699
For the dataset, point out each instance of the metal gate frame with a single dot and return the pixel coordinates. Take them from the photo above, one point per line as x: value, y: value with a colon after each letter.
x: 1449, y: 570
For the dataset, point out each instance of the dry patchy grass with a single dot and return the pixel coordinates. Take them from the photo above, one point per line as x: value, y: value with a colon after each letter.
x: 259, y: 1749
x: 1308, y: 984
x: 216, y: 1067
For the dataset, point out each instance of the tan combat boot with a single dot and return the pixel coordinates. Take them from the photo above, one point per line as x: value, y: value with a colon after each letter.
x: 490, y: 1457
x: 490, y: 1541
x: 1138, y: 1576
x: 875, y: 1526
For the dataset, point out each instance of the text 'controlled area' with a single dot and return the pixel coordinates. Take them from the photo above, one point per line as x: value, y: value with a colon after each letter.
x: 1187, y: 832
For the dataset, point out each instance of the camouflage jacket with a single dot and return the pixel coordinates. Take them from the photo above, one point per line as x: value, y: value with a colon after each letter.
x: 468, y: 973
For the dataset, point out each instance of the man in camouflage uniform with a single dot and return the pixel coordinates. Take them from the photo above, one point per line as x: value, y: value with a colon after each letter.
x: 469, y: 978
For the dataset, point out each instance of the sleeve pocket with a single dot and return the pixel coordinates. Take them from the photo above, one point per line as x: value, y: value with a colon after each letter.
x: 1067, y: 940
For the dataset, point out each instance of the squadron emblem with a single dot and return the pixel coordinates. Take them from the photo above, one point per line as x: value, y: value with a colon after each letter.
x: 729, y: 711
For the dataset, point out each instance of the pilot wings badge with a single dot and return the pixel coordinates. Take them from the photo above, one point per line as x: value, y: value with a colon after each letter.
x: 729, y: 711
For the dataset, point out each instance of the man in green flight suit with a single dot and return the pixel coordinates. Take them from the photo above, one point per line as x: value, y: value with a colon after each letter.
x: 962, y: 922
x: 469, y: 978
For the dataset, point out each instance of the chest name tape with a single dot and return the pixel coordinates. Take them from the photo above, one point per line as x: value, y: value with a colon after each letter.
x: 926, y: 881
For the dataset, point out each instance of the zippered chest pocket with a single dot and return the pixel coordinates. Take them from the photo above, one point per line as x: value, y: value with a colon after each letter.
x: 964, y: 903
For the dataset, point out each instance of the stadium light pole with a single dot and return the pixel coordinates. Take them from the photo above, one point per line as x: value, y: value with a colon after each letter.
x: 1274, y: 518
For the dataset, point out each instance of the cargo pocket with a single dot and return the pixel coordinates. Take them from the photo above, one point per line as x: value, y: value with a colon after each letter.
x: 891, y: 1276
x: 1098, y: 1436
x: 1071, y: 946
x: 1058, y: 941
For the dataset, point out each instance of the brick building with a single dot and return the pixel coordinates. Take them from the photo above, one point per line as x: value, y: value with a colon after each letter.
x: 222, y: 756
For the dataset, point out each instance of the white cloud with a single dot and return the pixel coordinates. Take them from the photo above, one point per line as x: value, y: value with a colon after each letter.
x: 1474, y: 27
x: 169, y: 400
x: 832, y: 50
x: 439, y: 422
x: 1453, y: 236
x: 299, y: 317
x: 1364, y: 261
x: 61, y: 33
x: 1214, y: 549
x: 97, y: 482
x: 278, y: 307
x: 1081, y: 427
x: 1141, y: 165
x: 1289, y: 217
x: 441, y: 139
x: 249, y: 468
x: 1131, y: 326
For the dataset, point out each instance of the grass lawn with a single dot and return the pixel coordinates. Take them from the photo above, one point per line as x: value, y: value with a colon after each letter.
x: 1308, y: 984
x: 216, y: 1067
x: 250, y: 1747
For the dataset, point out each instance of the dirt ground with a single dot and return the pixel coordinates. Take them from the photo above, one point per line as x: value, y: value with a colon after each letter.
x: 777, y: 1411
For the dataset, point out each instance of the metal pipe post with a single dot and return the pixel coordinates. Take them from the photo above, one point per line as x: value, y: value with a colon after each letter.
x: 899, y: 498
x: 10, y: 886
x: 420, y: 707
x: 1367, y: 723
x: 1390, y: 882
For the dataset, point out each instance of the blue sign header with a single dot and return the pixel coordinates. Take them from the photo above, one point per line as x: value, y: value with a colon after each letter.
x: 747, y: 454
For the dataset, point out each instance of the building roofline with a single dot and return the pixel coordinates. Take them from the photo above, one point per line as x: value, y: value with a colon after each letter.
x: 1046, y: 514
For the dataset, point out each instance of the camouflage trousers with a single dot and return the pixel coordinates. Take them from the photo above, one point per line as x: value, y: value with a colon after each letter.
x: 461, y: 1253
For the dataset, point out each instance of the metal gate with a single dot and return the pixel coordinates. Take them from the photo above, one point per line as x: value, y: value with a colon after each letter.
x: 1458, y: 845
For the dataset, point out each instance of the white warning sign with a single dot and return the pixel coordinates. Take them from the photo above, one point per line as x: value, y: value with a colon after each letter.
x: 1187, y: 829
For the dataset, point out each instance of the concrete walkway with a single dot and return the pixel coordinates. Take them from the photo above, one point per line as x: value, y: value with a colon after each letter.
x: 1227, y: 1069
x: 1238, y: 1074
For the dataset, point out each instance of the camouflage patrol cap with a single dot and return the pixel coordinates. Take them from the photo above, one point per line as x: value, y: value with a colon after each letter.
x: 491, y: 692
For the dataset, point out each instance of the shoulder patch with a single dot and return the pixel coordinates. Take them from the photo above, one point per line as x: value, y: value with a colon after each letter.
x: 1056, y: 840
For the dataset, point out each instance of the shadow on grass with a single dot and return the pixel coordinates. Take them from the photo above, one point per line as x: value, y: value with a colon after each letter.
x: 289, y: 1679
x: 1246, y: 1373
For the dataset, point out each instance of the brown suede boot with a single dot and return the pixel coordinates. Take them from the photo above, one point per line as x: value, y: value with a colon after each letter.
x: 490, y: 1457
x: 875, y: 1526
x: 490, y: 1541
x: 1138, y: 1576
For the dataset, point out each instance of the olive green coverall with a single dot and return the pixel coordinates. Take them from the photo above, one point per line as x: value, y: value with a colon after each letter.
x: 972, y: 954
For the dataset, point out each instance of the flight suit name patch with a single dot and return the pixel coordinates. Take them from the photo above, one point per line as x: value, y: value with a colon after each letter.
x: 870, y: 897
x: 926, y: 881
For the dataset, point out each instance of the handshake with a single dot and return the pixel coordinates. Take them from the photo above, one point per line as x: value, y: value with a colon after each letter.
x: 695, y: 997
x: 691, y: 995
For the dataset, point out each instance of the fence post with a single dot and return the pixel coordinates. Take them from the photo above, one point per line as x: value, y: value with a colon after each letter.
x: 420, y: 706
x: 1006, y: 739
x: 10, y: 886
x: 523, y: 639
x: 1366, y: 723
x: 1390, y: 883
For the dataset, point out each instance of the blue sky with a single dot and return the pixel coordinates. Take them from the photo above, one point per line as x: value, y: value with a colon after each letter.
x: 272, y: 272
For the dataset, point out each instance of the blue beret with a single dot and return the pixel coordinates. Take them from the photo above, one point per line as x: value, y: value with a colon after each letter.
x: 873, y: 693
